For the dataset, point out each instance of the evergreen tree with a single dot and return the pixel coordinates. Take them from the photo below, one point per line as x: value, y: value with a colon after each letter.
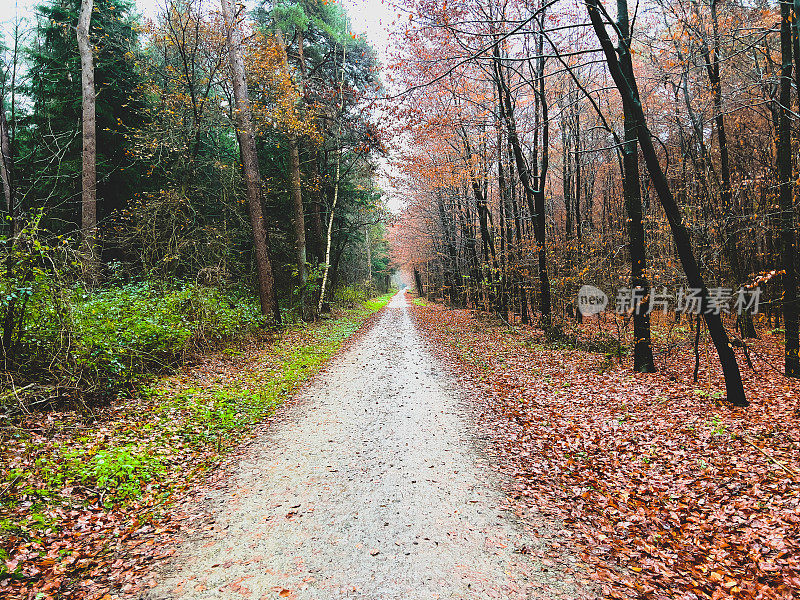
x: 52, y: 131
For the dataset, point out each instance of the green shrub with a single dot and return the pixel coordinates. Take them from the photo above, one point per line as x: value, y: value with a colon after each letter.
x: 139, y: 328
x: 121, y: 474
x: 351, y: 295
x: 101, y: 342
x: 116, y: 474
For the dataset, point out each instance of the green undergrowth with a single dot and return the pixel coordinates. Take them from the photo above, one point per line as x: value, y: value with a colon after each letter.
x: 221, y: 411
x: 140, y: 452
x: 102, y: 343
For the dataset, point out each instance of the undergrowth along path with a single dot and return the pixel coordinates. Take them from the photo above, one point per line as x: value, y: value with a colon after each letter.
x: 87, y: 494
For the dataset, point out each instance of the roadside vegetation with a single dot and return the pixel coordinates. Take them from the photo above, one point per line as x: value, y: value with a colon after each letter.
x: 78, y: 482
x: 183, y: 242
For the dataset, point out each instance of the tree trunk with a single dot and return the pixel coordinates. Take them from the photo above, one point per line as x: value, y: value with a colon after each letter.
x: 506, y: 241
x: 566, y: 173
x: 520, y: 284
x: 468, y: 235
x: 299, y: 223
x: 642, y: 343
x: 784, y: 160
x: 796, y: 45
x: 318, y: 237
x: 368, y: 247
x: 712, y: 60
x: 89, y: 153
x: 578, y: 180
x: 7, y: 173
x: 418, y: 283
x: 336, y: 181
x: 534, y: 197
x: 540, y: 225
x: 10, y: 137
x: 489, y: 262
x: 450, y: 259
x: 683, y: 245
x: 487, y: 241
x: 317, y: 246
x: 298, y: 216
x: 252, y: 175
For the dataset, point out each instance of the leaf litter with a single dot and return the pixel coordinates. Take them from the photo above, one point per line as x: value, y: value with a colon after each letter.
x: 664, y: 490
x: 91, y: 497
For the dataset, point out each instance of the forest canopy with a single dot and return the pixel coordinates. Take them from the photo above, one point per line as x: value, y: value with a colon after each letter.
x: 647, y: 150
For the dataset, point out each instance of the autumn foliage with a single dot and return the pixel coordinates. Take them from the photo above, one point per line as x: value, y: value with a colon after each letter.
x: 664, y: 491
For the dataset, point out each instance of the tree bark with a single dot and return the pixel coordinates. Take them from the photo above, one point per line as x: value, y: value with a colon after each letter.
x: 566, y: 170
x: 785, y: 180
x: 298, y: 215
x: 418, y: 283
x: 683, y: 245
x: 89, y: 152
x: 538, y: 209
x: 7, y: 173
x: 796, y: 46
x: 578, y: 179
x: 247, y: 148
x: 642, y: 344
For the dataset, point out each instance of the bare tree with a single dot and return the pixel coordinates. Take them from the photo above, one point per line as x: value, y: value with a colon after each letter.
x: 630, y: 97
x: 631, y: 190
x: 785, y: 179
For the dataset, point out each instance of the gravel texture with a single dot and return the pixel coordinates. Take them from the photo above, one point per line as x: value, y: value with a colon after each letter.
x: 373, y: 487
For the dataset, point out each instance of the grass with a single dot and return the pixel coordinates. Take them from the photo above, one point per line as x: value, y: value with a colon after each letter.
x: 179, y: 426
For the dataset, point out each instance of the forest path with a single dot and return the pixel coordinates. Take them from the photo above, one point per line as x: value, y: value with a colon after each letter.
x: 371, y: 488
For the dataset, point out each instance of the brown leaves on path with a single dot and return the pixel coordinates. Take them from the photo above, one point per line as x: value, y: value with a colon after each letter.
x: 667, y: 492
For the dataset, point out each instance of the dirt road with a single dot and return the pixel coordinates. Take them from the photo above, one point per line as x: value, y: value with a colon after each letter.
x: 372, y: 488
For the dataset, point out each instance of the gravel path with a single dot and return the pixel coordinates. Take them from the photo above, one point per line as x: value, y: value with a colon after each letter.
x: 372, y: 488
